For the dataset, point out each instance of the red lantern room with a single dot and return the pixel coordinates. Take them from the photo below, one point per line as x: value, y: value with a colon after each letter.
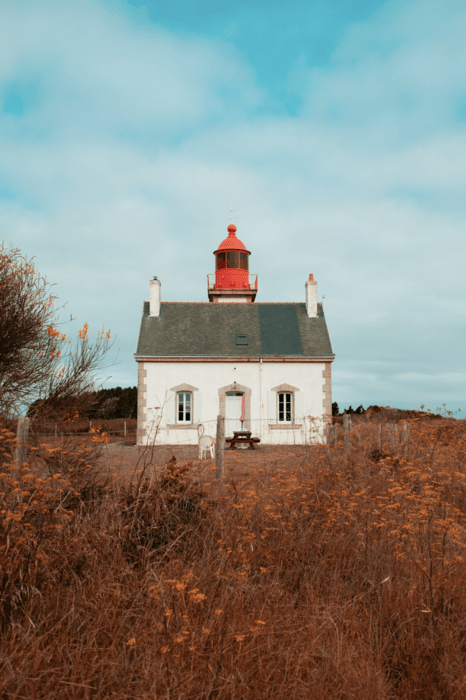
x: 232, y: 283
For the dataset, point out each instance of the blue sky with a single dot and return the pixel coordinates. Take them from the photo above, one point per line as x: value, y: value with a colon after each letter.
x: 336, y: 129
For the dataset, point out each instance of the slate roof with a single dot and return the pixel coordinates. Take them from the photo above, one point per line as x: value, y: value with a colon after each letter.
x: 209, y: 330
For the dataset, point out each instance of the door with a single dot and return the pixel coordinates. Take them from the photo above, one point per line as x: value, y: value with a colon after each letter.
x: 233, y: 410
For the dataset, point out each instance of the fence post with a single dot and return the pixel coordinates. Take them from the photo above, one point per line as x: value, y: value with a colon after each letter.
x: 347, y: 433
x: 124, y: 431
x: 55, y: 430
x: 220, y: 447
x: 405, y: 433
x: 22, y: 436
x: 380, y: 436
x: 332, y: 434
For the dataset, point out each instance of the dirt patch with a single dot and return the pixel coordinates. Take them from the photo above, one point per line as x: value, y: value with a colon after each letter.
x: 128, y: 462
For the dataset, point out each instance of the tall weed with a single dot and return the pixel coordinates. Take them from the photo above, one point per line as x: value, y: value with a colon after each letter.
x: 340, y: 575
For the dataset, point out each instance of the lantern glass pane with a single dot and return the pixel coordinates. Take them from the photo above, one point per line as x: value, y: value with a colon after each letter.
x: 220, y: 262
x: 233, y: 260
x: 244, y: 261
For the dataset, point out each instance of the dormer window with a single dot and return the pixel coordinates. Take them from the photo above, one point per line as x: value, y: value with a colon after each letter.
x: 241, y: 339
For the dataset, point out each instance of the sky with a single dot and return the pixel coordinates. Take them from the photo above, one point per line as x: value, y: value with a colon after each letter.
x: 336, y: 130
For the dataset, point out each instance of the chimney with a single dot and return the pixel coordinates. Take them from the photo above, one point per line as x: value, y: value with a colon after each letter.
x: 154, y: 308
x: 311, y: 296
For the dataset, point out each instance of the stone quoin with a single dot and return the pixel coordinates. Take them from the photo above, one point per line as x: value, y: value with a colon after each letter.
x: 266, y: 367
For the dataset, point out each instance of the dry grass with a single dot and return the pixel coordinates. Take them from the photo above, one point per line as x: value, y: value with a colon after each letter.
x: 112, y: 427
x: 311, y: 575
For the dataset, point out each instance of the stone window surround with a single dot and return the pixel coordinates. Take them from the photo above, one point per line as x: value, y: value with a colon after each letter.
x: 289, y: 389
x: 222, y: 392
x: 178, y: 389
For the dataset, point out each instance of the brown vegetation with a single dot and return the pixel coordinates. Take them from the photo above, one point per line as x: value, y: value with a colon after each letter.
x: 41, y: 370
x: 80, y: 426
x: 318, y: 575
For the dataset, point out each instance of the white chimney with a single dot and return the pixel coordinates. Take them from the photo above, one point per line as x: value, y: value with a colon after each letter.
x: 311, y: 296
x: 154, y: 308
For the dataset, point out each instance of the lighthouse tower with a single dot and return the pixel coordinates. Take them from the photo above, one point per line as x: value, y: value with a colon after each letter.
x: 232, y: 282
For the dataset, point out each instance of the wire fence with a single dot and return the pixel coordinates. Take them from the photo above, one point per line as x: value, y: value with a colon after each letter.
x: 305, y: 431
x: 56, y: 430
x: 376, y: 439
x: 308, y: 431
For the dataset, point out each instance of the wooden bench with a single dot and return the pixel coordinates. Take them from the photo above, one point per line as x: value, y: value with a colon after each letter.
x: 242, y: 437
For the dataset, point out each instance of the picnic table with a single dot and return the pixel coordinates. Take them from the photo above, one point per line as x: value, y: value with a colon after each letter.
x: 241, y: 437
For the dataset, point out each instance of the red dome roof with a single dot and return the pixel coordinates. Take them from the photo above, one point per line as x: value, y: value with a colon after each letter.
x: 231, y: 243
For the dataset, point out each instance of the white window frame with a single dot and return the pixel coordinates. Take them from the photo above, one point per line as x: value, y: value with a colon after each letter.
x: 183, y: 420
x: 291, y: 411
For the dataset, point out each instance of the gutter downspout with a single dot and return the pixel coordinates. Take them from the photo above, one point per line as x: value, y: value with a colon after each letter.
x: 260, y: 398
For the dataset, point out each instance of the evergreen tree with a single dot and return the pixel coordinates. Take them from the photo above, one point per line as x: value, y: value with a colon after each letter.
x: 115, y: 403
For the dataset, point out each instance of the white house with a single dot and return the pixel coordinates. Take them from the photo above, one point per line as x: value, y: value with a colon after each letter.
x: 268, y: 364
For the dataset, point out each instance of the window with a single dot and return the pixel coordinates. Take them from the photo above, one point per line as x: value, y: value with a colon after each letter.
x: 221, y: 261
x: 241, y: 339
x: 184, y: 407
x: 285, y: 407
x: 233, y: 260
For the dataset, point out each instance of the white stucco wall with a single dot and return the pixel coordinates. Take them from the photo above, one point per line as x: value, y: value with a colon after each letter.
x: 158, y: 415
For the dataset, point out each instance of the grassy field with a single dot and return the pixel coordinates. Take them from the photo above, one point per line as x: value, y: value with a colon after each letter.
x: 305, y: 573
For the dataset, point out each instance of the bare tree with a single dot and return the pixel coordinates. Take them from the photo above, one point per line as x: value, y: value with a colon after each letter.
x: 39, y: 365
x: 107, y: 407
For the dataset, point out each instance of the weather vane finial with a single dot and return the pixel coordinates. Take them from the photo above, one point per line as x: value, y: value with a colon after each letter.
x: 232, y: 214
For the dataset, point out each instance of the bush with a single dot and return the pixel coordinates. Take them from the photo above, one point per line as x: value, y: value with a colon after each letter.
x: 160, y: 516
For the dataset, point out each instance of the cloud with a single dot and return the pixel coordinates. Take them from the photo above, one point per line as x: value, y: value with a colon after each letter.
x: 401, y: 70
x: 97, y: 72
x: 125, y: 144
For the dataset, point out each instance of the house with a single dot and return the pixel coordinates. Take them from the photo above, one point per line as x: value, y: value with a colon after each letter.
x: 266, y: 367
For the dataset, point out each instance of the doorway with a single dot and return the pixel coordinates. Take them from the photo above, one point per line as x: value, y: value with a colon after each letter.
x: 233, y: 410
